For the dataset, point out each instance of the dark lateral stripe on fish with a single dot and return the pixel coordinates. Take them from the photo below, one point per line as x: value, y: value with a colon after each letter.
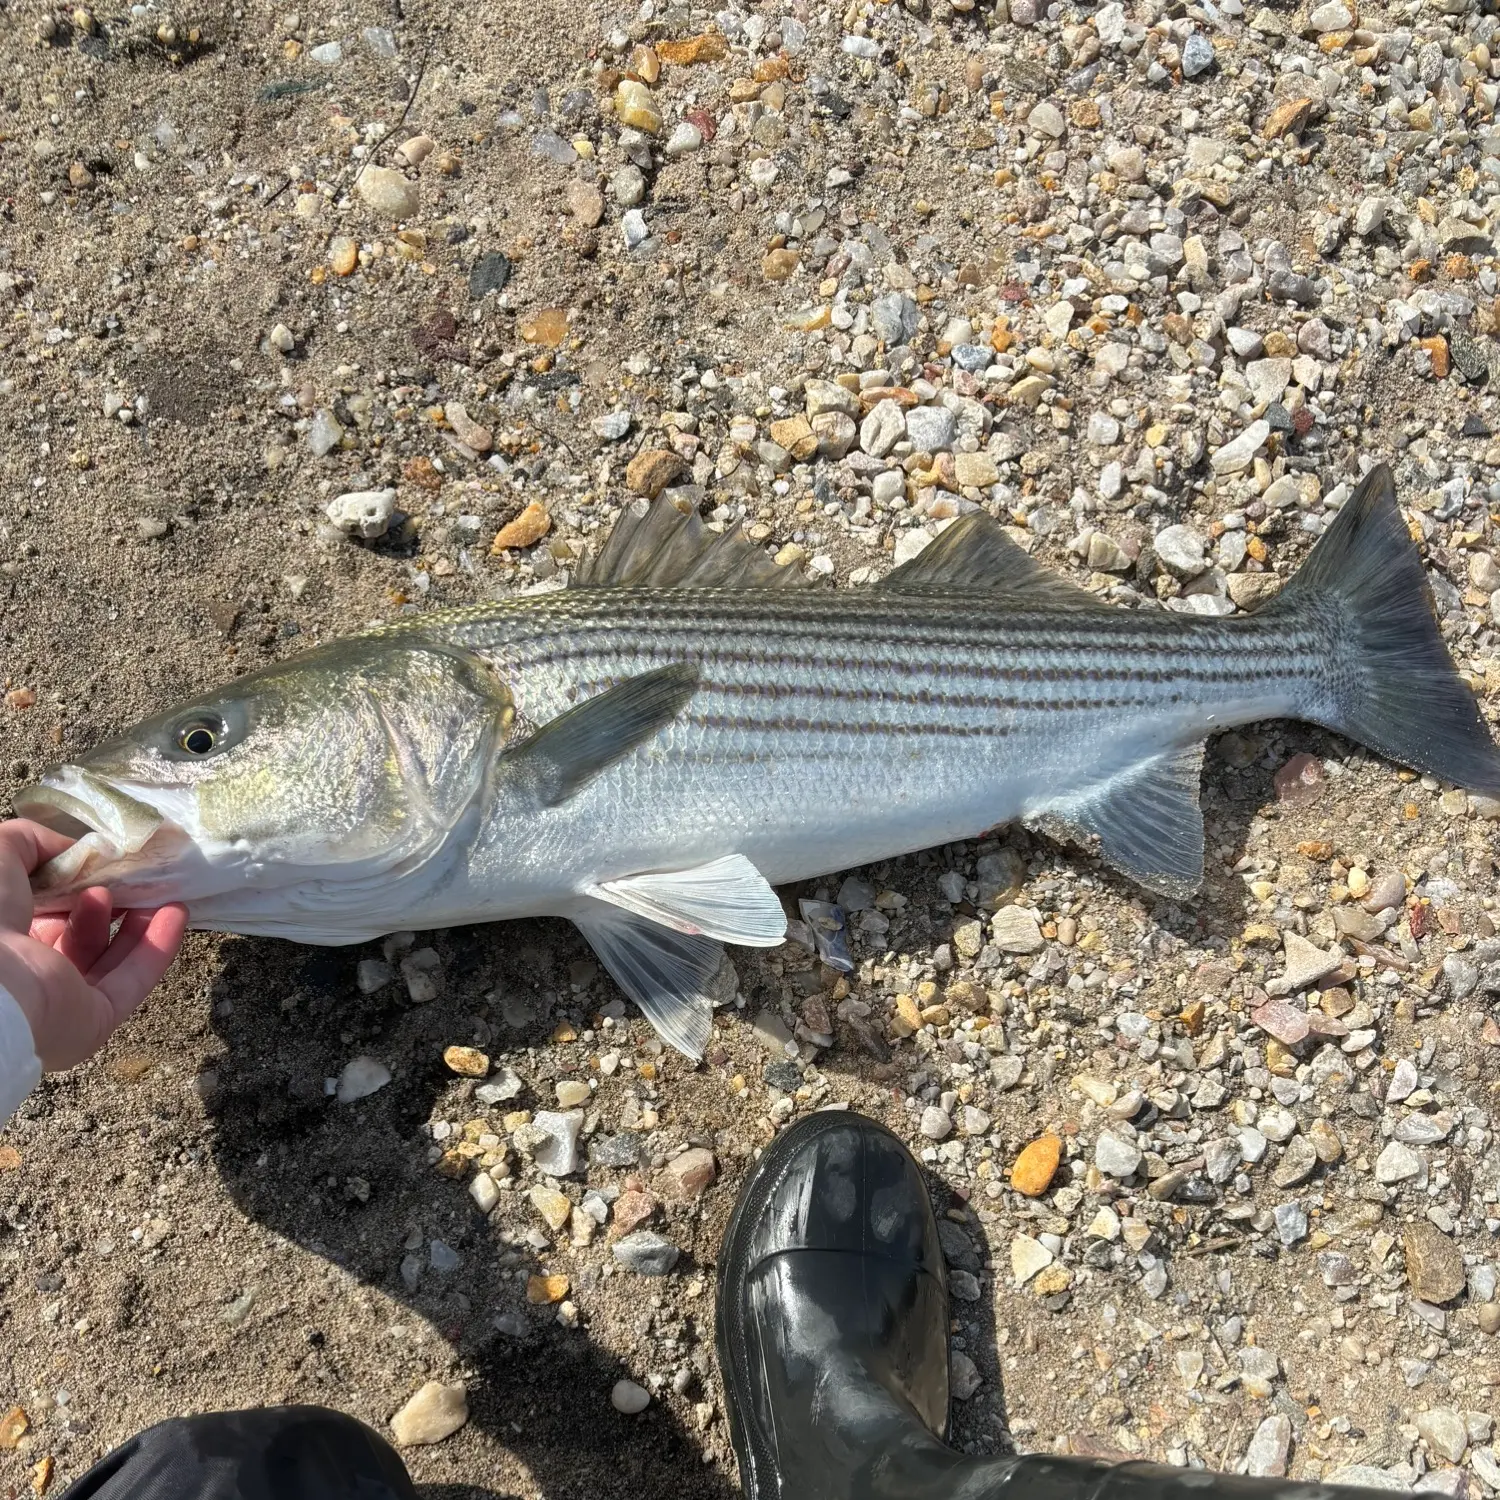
x: 1176, y: 665
x: 803, y: 637
x: 885, y: 698
x: 926, y: 697
x: 934, y: 728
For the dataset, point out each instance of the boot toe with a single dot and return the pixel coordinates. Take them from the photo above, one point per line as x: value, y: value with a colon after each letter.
x: 838, y: 1181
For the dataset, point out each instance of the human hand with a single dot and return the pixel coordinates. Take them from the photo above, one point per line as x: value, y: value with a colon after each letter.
x: 74, y: 985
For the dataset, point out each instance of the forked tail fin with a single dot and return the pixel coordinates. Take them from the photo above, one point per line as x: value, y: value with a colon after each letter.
x: 1394, y: 686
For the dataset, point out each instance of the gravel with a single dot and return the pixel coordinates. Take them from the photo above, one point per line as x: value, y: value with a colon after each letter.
x: 1146, y: 284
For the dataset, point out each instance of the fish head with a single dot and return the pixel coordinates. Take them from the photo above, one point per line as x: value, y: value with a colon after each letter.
x: 348, y: 761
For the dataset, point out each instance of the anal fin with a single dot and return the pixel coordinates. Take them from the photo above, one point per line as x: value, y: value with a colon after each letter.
x: 1146, y: 821
x: 727, y: 899
x: 666, y: 973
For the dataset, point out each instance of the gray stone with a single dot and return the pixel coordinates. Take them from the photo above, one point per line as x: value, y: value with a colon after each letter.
x: 958, y: 1248
x: 1221, y: 1160
x: 1197, y: 55
x: 1015, y: 930
x: 1104, y: 430
x: 1365, y: 1476
x: 1238, y: 454
x: 363, y: 513
x: 628, y: 1397
x: 935, y: 1123
x: 964, y: 1378
x: 489, y: 274
x: 646, y: 1253
x: 1396, y: 1163
x: 1268, y: 378
x: 1370, y: 216
x: 930, y: 428
x: 896, y: 317
x: 502, y: 1086
x: 1116, y: 1157
x: 1291, y: 1222
x: 1180, y: 549
x: 361, y: 1078
x: 556, y: 1135
x: 1267, y: 1454
x: 388, y: 192
x: 612, y: 426
x: 882, y: 429
x: 1305, y: 963
x: 1443, y: 1430
x: 617, y: 1151
x: 1048, y: 120
x: 1298, y: 1162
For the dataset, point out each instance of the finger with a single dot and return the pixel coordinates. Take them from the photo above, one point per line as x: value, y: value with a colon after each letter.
x: 86, y: 935
x: 153, y: 946
x: 132, y: 928
x: 48, y: 929
x: 24, y: 846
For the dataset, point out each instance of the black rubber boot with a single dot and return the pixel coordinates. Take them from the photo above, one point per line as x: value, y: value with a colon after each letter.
x: 833, y: 1343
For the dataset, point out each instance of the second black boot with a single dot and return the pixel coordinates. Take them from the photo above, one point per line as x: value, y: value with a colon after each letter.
x: 832, y: 1327
x: 833, y: 1343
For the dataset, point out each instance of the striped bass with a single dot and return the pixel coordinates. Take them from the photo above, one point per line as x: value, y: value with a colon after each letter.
x: 653, y: 749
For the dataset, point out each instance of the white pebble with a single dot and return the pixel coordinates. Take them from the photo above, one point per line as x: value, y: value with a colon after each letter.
x: 363, y: 513
x: 628, y: 1397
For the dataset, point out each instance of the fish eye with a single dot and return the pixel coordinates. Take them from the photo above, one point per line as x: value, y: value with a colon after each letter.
x: 200, y: 736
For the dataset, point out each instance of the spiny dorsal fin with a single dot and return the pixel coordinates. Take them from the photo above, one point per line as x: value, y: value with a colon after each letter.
x: 974, y: 556
x: 661, y: 545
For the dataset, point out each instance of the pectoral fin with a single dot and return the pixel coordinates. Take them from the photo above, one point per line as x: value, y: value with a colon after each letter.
x: 728, y: 899
x: 1145, y: 822
x: 666, y: 973
x: 566, y: 753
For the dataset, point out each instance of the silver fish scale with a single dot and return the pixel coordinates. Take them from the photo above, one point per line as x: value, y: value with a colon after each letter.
x: 877, y: 721
x: 883, y: 663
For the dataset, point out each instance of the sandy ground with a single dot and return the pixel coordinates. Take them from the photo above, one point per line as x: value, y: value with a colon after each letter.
x: 190, y: 1222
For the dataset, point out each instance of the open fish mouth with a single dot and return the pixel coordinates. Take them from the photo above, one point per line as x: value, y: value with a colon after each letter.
x: 118, y: 835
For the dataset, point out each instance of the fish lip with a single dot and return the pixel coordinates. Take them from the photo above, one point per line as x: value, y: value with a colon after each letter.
x: 71, y: 800
x: 111, y: 829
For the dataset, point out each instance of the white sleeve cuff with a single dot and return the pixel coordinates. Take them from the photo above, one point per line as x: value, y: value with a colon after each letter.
x: 20, y: 1071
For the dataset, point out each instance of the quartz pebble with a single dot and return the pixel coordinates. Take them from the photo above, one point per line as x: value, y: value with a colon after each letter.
x: 388, y: 192
x: 362, y: 1077
x: 436, y: 1412
x: 556, y: 1148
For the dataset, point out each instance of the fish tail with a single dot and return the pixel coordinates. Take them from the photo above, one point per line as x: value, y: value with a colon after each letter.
x: 1391, y: 684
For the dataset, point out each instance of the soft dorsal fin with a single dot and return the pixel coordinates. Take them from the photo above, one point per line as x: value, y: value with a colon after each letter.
x: 661, y: 545
x: 974, y: 556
